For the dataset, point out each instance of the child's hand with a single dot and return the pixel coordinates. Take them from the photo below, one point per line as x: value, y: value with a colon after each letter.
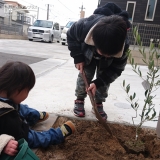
x: 80, y: 66
x: 92, y: 88
x: 11, y: 148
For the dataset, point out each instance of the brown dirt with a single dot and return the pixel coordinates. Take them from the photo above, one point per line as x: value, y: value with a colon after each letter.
x: 92, y: 142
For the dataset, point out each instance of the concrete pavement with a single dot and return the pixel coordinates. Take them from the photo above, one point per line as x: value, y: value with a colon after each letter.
x: 54, y: 92
x: 55, y: 85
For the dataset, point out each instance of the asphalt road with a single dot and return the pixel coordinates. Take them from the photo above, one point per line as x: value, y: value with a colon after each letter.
x: 30, y: 52
x: 11, y: 57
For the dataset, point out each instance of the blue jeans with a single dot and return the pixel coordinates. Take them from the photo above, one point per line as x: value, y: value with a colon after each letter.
x: 36, y: 138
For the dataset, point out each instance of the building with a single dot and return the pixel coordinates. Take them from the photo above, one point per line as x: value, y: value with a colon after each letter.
x: 2, y: 14
x: 14, y: 18
x: 17, y: 13
x: 145, y: 15
x: 144, y: 11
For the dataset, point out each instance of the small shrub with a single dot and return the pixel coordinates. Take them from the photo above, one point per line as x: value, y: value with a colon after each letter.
x: 150, y: 82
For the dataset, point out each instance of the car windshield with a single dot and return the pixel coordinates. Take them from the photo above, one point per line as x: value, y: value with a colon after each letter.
x: 43, y: 23
x: 69, y: 24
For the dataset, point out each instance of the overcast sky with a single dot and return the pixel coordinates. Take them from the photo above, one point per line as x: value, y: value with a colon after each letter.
x: 61, y: 10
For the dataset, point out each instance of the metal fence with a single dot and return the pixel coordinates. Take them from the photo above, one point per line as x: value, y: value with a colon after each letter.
x: 148, y: 32
x: 11, y: 29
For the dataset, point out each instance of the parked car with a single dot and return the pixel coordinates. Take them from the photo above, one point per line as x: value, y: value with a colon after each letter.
x: 44, y: 30
x: 64, y: 31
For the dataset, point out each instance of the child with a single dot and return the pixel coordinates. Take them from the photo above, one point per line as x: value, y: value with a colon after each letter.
x: 98, y: 44
x: 16, y: 81
x: 8, y: 145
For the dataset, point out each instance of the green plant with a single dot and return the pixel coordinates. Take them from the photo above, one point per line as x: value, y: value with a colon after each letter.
x: 150, y: 82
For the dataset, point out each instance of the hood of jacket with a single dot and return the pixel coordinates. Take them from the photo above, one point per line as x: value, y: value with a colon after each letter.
x: 5, y: 105
x: 110, y: 9
x: 5, y: 108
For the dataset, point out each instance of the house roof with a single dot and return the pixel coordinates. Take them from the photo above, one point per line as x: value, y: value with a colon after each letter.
x: 14, y: 3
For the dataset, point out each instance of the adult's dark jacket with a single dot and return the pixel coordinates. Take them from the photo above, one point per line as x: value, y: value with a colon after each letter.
x: 82, y: 51
x: 11, y: 122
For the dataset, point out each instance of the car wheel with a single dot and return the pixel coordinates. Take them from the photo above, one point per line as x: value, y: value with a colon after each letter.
x: 30, y: 39
x: 63, y: 43
x: 51, y: 39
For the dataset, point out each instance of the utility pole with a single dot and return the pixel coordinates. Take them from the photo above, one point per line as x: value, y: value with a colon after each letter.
x: 82, y: 12
x: 37, y: 12
x: 47, y: 11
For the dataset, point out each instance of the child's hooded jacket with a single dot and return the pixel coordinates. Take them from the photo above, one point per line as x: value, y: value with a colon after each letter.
x: 11, y: 122
x: 82, y: 47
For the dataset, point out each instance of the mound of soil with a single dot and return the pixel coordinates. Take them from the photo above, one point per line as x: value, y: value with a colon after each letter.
x: 92, y: 142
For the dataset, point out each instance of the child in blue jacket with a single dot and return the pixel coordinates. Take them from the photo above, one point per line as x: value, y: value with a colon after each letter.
x: 16, y: 81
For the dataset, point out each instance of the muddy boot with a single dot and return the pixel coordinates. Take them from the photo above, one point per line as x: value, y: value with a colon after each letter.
x: 101, y: 111
x: 79, y: 108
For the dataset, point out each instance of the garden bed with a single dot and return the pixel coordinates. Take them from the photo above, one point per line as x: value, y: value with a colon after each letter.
x: 92, y: 142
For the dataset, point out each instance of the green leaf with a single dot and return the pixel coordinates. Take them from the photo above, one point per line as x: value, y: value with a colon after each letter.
x: 134, y: 95
x: 158, y: 82
x: 135, y: 65
x: 147, y: 118
x: 144, y: 55
x: 146, y: 92
x: 153, y: 115
x: 132, y: 106
x: 156, y: 70
x: 140, y: 74
x: 147, y: 112
x: 129, y: 57
x: 144, y: 61
x: 157, y: 76
x: 151, y: 64
x: 149, y: 74
x: 127, y: 88
x: 128, y: 52
x: 139, y: 39
x: 123, y: 83
x: 132, y: 62
x: 134, y: 30
x: 151, y: 46
x: 141, y: 51
x: 136, y: 105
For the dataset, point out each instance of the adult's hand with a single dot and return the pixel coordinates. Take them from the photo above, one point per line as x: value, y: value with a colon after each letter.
x: 92, y: 88
x: 11, y: 148
x: 80, y: 66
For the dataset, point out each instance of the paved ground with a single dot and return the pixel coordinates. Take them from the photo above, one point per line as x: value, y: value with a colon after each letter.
x: 56, y: 79
x: 12, y: 57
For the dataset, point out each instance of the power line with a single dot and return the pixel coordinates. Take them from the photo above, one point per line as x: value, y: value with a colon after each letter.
x: 66, y: 7
x: 50, y: 9
x: 40, y: 8
x: 34, y: 5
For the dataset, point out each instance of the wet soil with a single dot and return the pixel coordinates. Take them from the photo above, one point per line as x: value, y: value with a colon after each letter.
x: 92, y: 142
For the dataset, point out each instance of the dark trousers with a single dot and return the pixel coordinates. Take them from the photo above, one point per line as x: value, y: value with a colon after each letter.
x: 90, y: 70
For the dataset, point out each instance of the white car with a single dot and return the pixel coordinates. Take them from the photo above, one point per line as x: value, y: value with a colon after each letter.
x: 64, y: 31
x: 44, y: 30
